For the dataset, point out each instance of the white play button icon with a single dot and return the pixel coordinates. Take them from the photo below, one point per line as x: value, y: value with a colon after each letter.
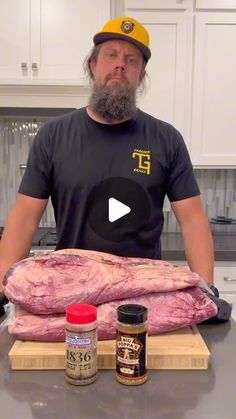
x: 116, y: 209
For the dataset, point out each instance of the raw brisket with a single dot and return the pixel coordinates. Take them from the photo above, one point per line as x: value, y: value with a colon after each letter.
x: 47, y: 284
x: 166, y: 312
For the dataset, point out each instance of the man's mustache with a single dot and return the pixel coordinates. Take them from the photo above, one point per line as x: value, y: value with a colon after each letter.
x: 120, y: 75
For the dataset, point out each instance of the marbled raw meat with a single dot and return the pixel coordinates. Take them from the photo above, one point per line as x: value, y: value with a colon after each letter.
x: 166, y: 311
x: 47, y: 284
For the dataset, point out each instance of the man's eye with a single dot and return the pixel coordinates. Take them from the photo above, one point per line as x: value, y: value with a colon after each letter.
x: 133, y: 60
x: 110, y: 54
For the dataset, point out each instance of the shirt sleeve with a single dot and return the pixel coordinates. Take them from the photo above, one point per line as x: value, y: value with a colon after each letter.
x: 36, y: 181
x: 181, y: 181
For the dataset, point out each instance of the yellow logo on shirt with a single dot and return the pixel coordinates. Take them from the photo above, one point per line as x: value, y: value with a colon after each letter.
x: 143, y: 160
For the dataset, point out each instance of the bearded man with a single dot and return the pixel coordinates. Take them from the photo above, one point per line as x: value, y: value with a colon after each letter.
x: 108, y: 167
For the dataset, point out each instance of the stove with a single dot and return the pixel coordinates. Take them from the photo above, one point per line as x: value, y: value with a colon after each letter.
x: 222, y: 220
x: 223, y: 225
x: 44, y: 236
x: 39, y: 235
x: 50, y: 238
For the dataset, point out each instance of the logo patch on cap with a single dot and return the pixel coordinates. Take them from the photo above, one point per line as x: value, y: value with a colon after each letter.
x: 127, y: 26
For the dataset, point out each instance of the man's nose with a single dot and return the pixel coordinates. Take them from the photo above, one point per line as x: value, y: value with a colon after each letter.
x: 120, y: 64
x: 120, y: 68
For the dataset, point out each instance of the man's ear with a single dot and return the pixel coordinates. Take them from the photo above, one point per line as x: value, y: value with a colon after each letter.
x: 142, y: 75
x: 92, y: 64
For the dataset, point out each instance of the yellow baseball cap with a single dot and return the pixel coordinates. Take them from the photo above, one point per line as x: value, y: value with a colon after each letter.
x: 128, y: 29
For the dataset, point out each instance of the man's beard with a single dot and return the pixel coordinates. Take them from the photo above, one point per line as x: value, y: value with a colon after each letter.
x: 114, y: 102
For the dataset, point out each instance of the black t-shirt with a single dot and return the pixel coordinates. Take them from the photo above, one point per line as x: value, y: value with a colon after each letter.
x: 73, y: 158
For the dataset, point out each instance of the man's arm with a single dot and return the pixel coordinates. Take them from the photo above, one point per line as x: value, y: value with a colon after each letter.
x: 19, y: 230
x: 197, y: 237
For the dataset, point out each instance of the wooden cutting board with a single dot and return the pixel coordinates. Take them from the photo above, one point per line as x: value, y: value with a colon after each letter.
x: 184, y: 349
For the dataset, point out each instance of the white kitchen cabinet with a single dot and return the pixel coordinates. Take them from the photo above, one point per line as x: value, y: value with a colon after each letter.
x: 46, y: 41
x: 215, y: 4
x: 132, y: 5
x: 14, y: 37
x: 165, y: 97
x: 193, y: 73
x: 225, y: 281
x: 225, y: 277
x: 214, y: 91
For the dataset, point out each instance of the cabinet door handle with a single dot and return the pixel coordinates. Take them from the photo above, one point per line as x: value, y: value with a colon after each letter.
x: 22, y: 166
x: 24, y: 66
x: 228, y: 279
x: 34, y: 66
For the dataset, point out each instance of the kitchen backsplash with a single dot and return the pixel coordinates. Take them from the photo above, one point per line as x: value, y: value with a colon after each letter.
x: 218, y: 186
x: 218, y: 194
x: 16, y: 137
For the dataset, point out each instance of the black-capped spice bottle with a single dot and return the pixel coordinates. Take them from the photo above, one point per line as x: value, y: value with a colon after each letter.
x: 81, y: 344
x: 131, y: 344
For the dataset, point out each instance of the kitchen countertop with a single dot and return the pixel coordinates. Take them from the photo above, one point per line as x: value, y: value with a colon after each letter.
x: 208, y: 394
x: 224, y: 244
x: 173, y: 249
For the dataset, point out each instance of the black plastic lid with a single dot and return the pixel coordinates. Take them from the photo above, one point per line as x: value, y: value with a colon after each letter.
x: 132, y: 313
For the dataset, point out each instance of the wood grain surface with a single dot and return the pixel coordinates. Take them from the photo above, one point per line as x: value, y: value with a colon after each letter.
x: 183, y: 349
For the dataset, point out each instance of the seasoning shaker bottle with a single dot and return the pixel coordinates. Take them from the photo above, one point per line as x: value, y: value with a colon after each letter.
x: 81, y: 344
x: 131, y: 344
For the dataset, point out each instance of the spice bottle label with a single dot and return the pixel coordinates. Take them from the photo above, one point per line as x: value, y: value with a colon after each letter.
x: 131, y: 354
x: 81, y: 355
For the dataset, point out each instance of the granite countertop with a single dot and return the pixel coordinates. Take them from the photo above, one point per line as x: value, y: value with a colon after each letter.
x: 172, y: 394
x: 172, y: 246
x: 225, y: 246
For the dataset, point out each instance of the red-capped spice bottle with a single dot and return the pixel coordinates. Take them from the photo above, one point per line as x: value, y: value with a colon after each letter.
x: 131, y: 344
x: 81, y: 344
